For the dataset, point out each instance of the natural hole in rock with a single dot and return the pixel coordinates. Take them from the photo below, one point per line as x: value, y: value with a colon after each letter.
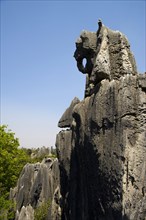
x: 84, y: 62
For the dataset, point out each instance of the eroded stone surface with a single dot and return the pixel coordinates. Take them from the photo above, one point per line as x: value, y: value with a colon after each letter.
x: 105, y: 173
x: 110, y: 152
x: 108, y: 56
x: 26, y: 213
x: 36, y: 185
x: 66, y: 119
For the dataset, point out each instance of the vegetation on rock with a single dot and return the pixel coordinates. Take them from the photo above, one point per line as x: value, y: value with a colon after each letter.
x: 42, y: 211
x: 12, y: 160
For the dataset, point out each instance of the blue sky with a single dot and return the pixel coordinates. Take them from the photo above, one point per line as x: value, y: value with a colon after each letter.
x: 39, y: 77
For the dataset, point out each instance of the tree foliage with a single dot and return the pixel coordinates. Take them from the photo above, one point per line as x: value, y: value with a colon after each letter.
x: 12, y: 160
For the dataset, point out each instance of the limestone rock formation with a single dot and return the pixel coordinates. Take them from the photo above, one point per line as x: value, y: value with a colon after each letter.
x: 37, y: 184
x: 26, y: 213
x: 100, y: 173
x: 66, y: 119
x: 107, y: 54
x: 102, y: 156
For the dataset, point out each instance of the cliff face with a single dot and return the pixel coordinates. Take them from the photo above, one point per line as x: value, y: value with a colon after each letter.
x: 101, y: 168
x: 102, y: 155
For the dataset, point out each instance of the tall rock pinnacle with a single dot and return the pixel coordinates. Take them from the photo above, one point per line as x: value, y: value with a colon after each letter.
x: 102, y: 156
x: 107, y: 55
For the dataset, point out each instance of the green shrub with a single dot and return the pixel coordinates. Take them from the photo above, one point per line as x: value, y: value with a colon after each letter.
x: 12, y: 160
x: 41, y: 211
x: 7, y: 209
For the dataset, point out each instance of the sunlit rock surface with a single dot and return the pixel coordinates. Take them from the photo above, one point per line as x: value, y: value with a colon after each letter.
x: 104, y: 177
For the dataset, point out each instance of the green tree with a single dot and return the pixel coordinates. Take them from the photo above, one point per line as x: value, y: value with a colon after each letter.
x: 12, y: 160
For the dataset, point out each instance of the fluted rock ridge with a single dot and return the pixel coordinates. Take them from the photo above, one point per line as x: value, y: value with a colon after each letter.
x: 103, y: 172
x: 38, y: 184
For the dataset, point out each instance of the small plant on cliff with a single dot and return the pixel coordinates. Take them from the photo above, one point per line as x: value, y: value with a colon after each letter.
x: 41, y: 211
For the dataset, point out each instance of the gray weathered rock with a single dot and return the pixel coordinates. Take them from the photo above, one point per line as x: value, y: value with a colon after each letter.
x: 102, y: 156
x: 26, y: 213
x: 64, y: 149
x: 37, y: 184
x: 142, y: 81
x: 66, y: 119
x: 108, y: 56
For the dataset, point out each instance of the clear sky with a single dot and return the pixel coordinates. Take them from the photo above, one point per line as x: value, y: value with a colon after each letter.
x: 39, y: 77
